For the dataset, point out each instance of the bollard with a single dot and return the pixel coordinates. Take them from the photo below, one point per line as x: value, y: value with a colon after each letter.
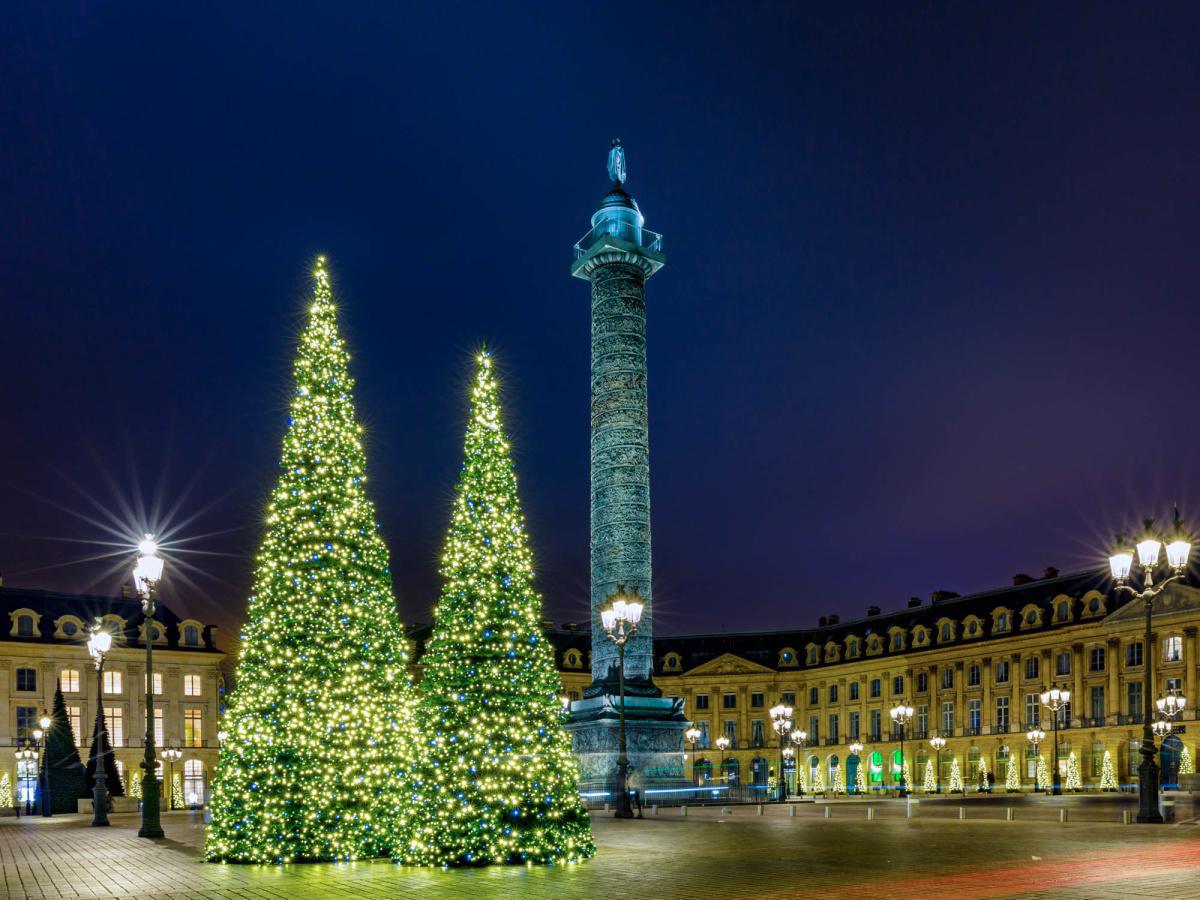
x: 606, y: 807
x: 683, y: 809
x: 759, y: 811
x: 792, y: 810
x: 727, y: 810
x: 1062, y: 815
x: 1008, y: 814
x: 654, y: 809
x: 828, y: 810
x: 962, y: 812
x: 1125, y: 817
x: 870, y: 813
x: 908, y: 808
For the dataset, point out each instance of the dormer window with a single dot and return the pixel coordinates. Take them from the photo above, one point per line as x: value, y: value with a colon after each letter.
x: 672, y: 662
x: 1062, y: 611
x: 25, y: 626
x: 1002, y: 622
x: 191, y: 636
x: 852, y: 649
x: 813, y: 656
x: 897, y: 640
x: 572, y: 659
x: 947, y: 631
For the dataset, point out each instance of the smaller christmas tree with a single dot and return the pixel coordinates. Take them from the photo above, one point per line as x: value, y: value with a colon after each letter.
x: 956, y: 781
x: 1043, y: 774
x: 839, y: 781
x: 983, y: 775
x: 908, y: 781
x: 818, y: 786
x: 6, y: 798
x: 802, y: 777
x: 1012, y: 776
x: 860, y: 780
x: 930, y: 779
x: 1074, y: 782
x: 1186, y: 765
x: 177, y: 792
x: 1108, y: 774
x: 135, y: 786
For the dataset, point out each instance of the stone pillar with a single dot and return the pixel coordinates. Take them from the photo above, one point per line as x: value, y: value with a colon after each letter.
x: 1112, y: 699
x: 1189, y: 665
x: 988, y: 716
x: 1079, y: 703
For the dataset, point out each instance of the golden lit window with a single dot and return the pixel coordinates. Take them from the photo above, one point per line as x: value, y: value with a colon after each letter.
x: 69, y: 679
x: 191, y: 685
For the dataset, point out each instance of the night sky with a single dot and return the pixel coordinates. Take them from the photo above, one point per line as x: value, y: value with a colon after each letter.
x: 927, y: 319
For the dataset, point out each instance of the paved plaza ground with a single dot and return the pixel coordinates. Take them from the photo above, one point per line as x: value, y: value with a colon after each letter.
x: 708, y: 853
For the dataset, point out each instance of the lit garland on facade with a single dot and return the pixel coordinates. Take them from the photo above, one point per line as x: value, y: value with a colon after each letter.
x: 321, y: 724
x: 498, y: 782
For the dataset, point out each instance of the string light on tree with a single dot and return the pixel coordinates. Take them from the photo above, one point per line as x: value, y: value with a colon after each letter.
x: 319, y: 729
x: 1108, y: 774
x: 1186, y: 765
x: 1012, y: 774
x: 956, y: 780
x: 1043, y: 776
x: 1074, y: 782
x: 498, y: 783
x: 930, y: 782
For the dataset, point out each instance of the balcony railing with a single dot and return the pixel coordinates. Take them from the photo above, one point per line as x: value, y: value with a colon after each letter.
x: 643, y: 237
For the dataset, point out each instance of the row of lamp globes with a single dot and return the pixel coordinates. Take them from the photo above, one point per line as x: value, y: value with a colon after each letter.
x: 1121, y: 562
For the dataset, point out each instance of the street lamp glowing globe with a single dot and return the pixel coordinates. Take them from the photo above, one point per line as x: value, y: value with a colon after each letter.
x: 149, y: 567
x: 937, y: 743
x: 1178, y: 552
x: 1147, y: 551
x: 100, y: 642
x: 45, y: 721
x: 1120, y: 564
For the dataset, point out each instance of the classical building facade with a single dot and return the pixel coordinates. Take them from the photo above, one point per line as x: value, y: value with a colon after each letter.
x: 43, y: 641
x: 972, y: 667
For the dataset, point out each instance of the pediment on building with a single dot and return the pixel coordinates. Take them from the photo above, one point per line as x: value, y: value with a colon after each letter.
x: 730, y: 664
x: 1177, y: 599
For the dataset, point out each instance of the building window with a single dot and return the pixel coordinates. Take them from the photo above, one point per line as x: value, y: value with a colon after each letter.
x: 193, y: 782
x: 1173, y: 649
x: 922, y: 682
x: 1031, y: 617
x: 947, y: 631
x: 1033, y: 709
x: 703, y: 742
x: 193, y: 728
x: 1133, y: 698
x: 1061, y: 612
x: 1096, y: 660
x: 947, y: 678
x: 973, y: 675
x: 974, y: 716
x: 758, y: 734
x: 852, y: 650
x: 1133, y: 654
x: 1098, y: 702
x: 1174, y: 685
x: 789, y: 698
x: 1002, y: 671
x: 876, y: 725
x: 731, y: 732
x: 191, y: 635
x: 159, y: 730
x: 25, y: 626
x: 1062, y: 663
x: 702, y: 701
x: 114, y: 719
x: 68, y: 679
x: 833, y: 693
x: 1001, y: 623
x: 26, y: 723
x: 757, y: 700
x: 922, y: 719
x: 1001, y: 715
x: 854, y: 690
x: 948, y: 718
x: 26, y: 679
x: 812, y: 656
x: 855, y: 720
x: 814, y: 696
x: 1031, y: 667
x: 833, y: 728
x: 75, y: 719
x: 814, y: 729
x: 729, y: 701
x: 898, y: 640
x: 112, y: 681
x: 897, y: 685
x: 158, y: 683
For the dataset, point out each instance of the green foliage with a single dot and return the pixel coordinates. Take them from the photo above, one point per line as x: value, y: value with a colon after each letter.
x: 65, y: 772
x: 103, y: 749
x: 320, y: 726
x: 498, y: 781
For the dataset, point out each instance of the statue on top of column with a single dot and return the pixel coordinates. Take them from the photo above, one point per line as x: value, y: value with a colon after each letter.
x: 616, y: 162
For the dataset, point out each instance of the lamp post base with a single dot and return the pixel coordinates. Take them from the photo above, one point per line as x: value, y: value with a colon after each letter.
x: 1148, y: 792
x: 151, y: 825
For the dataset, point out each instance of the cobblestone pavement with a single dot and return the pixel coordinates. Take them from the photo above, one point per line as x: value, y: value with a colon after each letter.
x: 706, y: 854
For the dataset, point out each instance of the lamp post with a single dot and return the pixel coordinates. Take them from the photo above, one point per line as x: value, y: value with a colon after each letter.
x: 693, y: 736
x: 781, y: 719
x: 722, y: 745
x: 901, y: 715
x: 1120, y: 564
x: 146, y: 575
x: 620, y: 620
x: 171, y: 755
x: 1056, y: 700
x: 799, y: 736
x: 1035, y: 736
x: 856, y: 749
x: 938, y: 743
x: 27, y: 755
x: 98, y: 645
x: 44, y: 768
x: 1170, y: 706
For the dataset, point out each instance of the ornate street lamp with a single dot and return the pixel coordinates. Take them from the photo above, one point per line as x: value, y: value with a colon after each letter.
x: 692, y: 735
x: 1120, y: 563
x: 781, y: 719
x: 146, y: 575
x: 938, y: 743
x: 901, y: 715
x: 1035, y: 736
x: 43, y: 737
x: 171, y: 755
x: 620, y: 620
x: 1056, y: 700
x: 1170, y: 706
x: 98, y: 645
x: 799, y: 736
x: 855, y: 749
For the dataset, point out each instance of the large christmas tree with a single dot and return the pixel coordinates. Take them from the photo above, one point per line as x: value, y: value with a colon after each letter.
x: 498, y: 782
x: 65, y: 772
x: 320, y: 726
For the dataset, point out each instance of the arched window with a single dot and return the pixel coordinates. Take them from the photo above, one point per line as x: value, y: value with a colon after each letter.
x: 191, y: 636
x: 27, y: 779
x: 702, y: 771
x: 193, y: 782
x: 1002, y: 622
x: 947, y: 631
x: 732, y: 770
x: 25, y: 626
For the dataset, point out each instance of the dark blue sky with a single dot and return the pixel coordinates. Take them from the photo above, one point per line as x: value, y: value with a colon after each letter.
x: 927, y: 318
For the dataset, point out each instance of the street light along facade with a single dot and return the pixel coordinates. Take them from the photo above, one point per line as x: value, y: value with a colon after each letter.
x: 901, y: 716
x: 98, y: 645
x: 799, y: 736
x: 1121, y: 564
x: 1056, y: 700
x: 692, y: 735
x: 781, y: 719
x: 42, y: 735
x: 1035, y: 736
x: 938, y: 743
x: 620, y: 620
x: 146, y: 575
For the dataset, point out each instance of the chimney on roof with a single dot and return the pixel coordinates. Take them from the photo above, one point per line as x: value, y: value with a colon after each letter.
x: 823, y: 621
x: 872, y: 611
x: 942, y: 596
x: 1050, y: 572
x: 1021, y: 578
x: 914, y: 601
x: 833, y: 618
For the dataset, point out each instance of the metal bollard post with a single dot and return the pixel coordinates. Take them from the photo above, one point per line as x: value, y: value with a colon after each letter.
x: 1125, y: 817
x: 870, y: 813
x: 759, y: 811
x: 1008, y: 814
x: 828, y: 810
x: 962, y: 812
x: 1062, y: 815
x: 683, y: 809
x: 654, y: 809
x: 792, y: 810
